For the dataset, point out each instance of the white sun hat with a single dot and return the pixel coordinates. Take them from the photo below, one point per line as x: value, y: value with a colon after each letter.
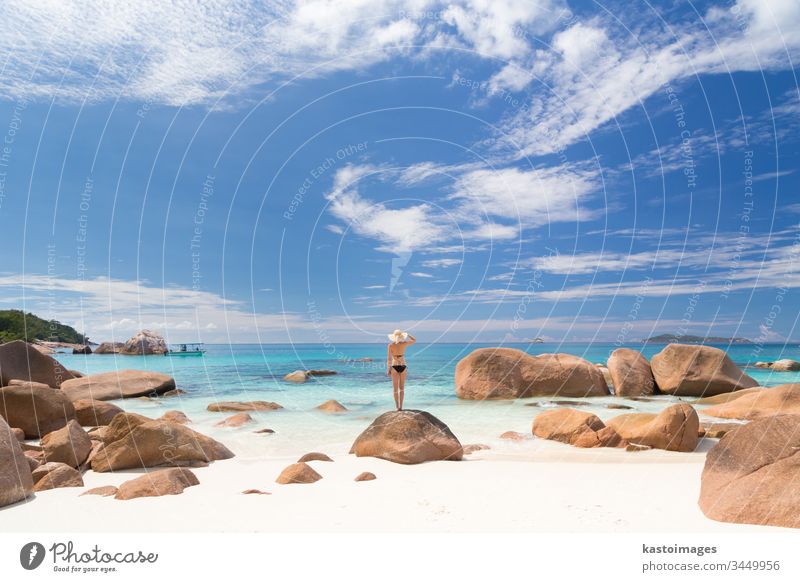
x: 398, y: 336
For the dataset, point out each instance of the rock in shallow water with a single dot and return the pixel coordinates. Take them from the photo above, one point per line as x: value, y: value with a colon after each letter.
x: 692, y: 370
x: 760, y: 403
x: 673, y: 429
x: 505, y: 373
x: 256, y: 405
x: 408, y: 437
x: 630, y: 373
x: 577, y: 428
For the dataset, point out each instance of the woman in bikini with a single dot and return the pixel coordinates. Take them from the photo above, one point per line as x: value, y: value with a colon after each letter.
x: 396, y: 363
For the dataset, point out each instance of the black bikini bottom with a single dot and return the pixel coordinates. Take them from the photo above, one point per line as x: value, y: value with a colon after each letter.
x: 399, y: 369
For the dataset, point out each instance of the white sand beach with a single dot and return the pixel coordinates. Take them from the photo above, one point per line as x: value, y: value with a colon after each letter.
x: 529, y: 486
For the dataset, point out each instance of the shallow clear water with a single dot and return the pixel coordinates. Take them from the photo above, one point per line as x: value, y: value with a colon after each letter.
x: 255, y: 372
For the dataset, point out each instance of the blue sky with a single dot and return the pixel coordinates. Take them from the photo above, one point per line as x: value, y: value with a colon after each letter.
x: 329, y: 171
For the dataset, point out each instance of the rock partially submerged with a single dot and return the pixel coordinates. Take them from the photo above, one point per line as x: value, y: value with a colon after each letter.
x: 236, y: 421
x: 408, y: 437
x: 575, y: 427
x: 298, y: 473
x: 332, y: 407
x: 505, y: 373
x: 15, y: 472
x: 750, y: 476
x: 630, y: 373
x: 673, y: 429
x: 301, y: 376
x: 109, y: 348
x: 35, y: 408
x: 760, y: 403
x: 157, y: 483
x: 144, y: 343
x: 785, y: 365
x: 119, y: 384
x: 256, y: 405
x: 696, y: 370
x: 20, y: 360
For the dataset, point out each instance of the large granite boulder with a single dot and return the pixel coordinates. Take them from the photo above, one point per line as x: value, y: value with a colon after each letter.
x: 689, y: 370
x: 85, y: 350
x: 505, y: 373
x: 145, y: 343
x: 69, y: 445
x: 155, y: 443
x: 91, y: 412
x: 119, y: 384
x: 15, y: 473
x: 408, y: 437
x: 630, y: 373
x: 574, y: 427
x: 750, y: 476
x: 674, y: 429
x: 759, y: 403
x: 109, y: 348
x: 35, y: 408
x: 157, y: 483
x: 20, y: 360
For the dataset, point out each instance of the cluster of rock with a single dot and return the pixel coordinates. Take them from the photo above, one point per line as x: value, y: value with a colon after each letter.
x: 679, y: 370
x: 784, y: 365
x: 301, y: 376
x: 36, y: 402
x: 144, y: 343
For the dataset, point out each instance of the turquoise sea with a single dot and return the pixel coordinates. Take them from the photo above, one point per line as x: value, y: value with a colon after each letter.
x: 255, y: 372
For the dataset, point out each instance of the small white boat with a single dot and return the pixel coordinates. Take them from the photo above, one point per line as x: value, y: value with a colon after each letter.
x: 195, y: 349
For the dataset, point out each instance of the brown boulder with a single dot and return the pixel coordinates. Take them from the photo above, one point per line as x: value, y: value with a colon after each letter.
x: 237, y: 420
x: 511, y: 435
x: 157, y: 483
x: 722, y: 398
x: 175, y: 416
x: 15, y: 471
x: 18, y: 433
x: 144, y: 343
x: 331, y: 407
x: 505, y: 373
x: 750, y: 476
x: 577, y: 428
x: 365, y: 476
x: 673, y: 429
x: 55, y: 476
x: 35, y: 408
x: 90, y: 412
x: 258, y: 405
x: 157, y: 443
x: 69, y: 445
x: 86, y: 350
x: 784, y: 399
x: 109, y: 348
x: 119, y: 384
x: 785, y: 365
x: 469, y: 449
x: 298, y: 473
x: 717, y: 430
x: 20, y: 360
x: 119, y: 427
x: 298, y: 376
x: 691, y: 370
x: 408, y: 437
x: 630, y: 373
x: 102, y: 491
x: 314, y: 457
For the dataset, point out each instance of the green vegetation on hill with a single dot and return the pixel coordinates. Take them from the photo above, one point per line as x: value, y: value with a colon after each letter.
x: 14, y: 325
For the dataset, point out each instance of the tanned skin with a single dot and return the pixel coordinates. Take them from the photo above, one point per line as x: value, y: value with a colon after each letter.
x: 395, y: 356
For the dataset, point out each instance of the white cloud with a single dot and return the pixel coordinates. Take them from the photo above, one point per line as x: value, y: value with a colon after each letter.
x: 421, y: 275
x: 440, y: 263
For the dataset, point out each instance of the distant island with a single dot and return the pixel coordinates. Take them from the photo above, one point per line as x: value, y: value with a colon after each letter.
x: 18, y: 325
x: 669, y: 338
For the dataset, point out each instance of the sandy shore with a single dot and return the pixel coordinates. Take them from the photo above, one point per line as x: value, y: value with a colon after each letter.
x: 533, y: 486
